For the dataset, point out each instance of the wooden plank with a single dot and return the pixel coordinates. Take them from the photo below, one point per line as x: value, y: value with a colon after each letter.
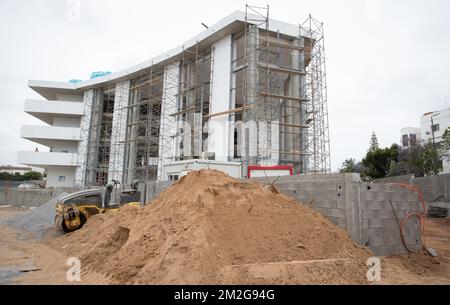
x: 284, y: 97
x: 283, y: 70
x: 240, y: 109
x: 183, y: 111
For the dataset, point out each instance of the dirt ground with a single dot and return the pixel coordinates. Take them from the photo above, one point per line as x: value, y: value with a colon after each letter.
x: 25, y: 260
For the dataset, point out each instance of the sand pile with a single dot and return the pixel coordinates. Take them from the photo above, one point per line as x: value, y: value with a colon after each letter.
x: 210, y: 228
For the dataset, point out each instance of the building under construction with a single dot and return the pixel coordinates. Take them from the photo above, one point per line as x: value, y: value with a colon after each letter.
x: 248, y: 90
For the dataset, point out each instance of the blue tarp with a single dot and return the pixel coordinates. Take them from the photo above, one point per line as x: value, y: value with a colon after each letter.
x: 99, y: 74
x: 75, y: 81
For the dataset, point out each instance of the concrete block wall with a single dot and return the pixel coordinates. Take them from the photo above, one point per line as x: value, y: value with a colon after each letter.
x: 433, y: 187
x: 383, y: 207
x: 370, y: 213
x: 30, y: 197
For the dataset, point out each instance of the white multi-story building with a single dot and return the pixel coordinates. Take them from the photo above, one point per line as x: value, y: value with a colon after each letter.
x: 434, y: 123
x: 432, y: 127
x: 410, y: 136
x: 189, y: 102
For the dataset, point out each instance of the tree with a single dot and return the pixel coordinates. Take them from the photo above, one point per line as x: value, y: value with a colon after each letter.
x: 348, y: 166
x: 28, y: 176
x: 430, y: 160
x: 351, y: 166
x: 444, y: 149
x: 374, y: 142
x: 419, y: 160
x: 377, y: 161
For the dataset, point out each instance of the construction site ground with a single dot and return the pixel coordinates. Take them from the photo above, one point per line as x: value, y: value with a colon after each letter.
x: 20, y: 251
x: 166, y: 253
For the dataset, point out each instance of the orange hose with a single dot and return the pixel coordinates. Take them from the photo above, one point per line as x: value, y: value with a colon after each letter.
x: 421, y: 216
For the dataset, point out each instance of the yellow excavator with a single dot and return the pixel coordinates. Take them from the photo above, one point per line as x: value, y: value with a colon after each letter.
x: 73, y: 210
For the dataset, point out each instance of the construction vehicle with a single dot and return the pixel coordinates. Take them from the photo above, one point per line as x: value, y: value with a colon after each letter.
x: 73, y: 210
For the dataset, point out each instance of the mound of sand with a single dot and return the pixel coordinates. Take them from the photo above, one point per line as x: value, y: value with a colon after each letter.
x: 210, y: 228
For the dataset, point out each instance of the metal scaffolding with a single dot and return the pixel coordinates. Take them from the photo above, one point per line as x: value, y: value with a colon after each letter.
x: 318, y: 144
x: 163, y: 115
x: 285, y: 94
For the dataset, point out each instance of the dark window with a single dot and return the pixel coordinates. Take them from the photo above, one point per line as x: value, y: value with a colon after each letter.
x: 88, y: 200
x: 435, y: 127
x: 405, y: 140
x: 412, y: 139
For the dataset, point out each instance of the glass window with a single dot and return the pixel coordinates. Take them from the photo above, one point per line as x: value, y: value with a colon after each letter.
x: 435, y: 127
x: 405, y: 140
x: 62, y: 178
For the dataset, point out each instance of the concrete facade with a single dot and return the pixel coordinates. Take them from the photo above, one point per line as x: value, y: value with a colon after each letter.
x: 127, y: 125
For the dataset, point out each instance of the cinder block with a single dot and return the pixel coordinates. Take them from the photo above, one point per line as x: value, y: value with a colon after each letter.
x: 308, y: 186
x: 377, y: 214
x: 380, y: 196
x: 341, y: 203
x: 326, y: 186
x: 384, y: 241
x: 412, y: 197
x: 368, y: 196
x: 320, y: 195
x: 326, y: 204
x: 365, y: 223
x: 376, y: 223
x: 382, y: 232
x: 388, y: 250
x: 342, y: 222
x: 399, y: 196
x: 334, y: 220
x: 286, y: 186
x: 323, y: 211
x: 379, y: 205
x: 337, y: 213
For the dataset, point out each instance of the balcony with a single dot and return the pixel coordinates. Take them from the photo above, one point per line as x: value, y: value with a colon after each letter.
x: 47, y: 135
x: 43, y: 159
x: 47, y: 110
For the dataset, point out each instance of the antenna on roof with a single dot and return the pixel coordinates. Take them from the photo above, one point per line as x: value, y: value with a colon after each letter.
x: 205, y: 25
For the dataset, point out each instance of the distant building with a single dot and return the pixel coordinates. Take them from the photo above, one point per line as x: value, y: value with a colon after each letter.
x: 410, y: 136
x: 15, y: 170
x: 432, y: 127
x: 434, y: 122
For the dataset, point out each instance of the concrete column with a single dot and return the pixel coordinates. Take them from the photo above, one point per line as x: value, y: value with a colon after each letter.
x: 219, y: 127
x: 302, y: 112
x: 80, y: 172
x: 118, y: 133
x: 133, y: 137
x: 168, y: 124
x: 251, y: 79
x: 294, y: 105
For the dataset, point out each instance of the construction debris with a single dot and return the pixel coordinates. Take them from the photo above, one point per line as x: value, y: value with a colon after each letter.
x: 210, y: 228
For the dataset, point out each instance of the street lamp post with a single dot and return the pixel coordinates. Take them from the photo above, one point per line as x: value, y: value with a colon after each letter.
x: 432, y: 133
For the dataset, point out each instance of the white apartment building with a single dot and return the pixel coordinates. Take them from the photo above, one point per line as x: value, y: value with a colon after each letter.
x: 189, y: 102
x: 410, y: 136
x: 432, y: 127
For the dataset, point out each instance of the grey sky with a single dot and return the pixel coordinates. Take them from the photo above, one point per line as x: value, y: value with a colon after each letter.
x: 388, y: 61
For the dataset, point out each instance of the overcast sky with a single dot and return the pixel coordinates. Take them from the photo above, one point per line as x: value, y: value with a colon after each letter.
x: 387, y: 61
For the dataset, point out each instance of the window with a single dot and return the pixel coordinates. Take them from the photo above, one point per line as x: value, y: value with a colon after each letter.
x: 94, y: 199
x: 435, y: 127
x: 412, y: 139
x: 62, y: 178
x: 173, y: 177
x: 405, y: 140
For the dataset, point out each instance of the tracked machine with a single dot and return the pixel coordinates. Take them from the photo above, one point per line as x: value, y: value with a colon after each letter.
x: 73, y: 210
